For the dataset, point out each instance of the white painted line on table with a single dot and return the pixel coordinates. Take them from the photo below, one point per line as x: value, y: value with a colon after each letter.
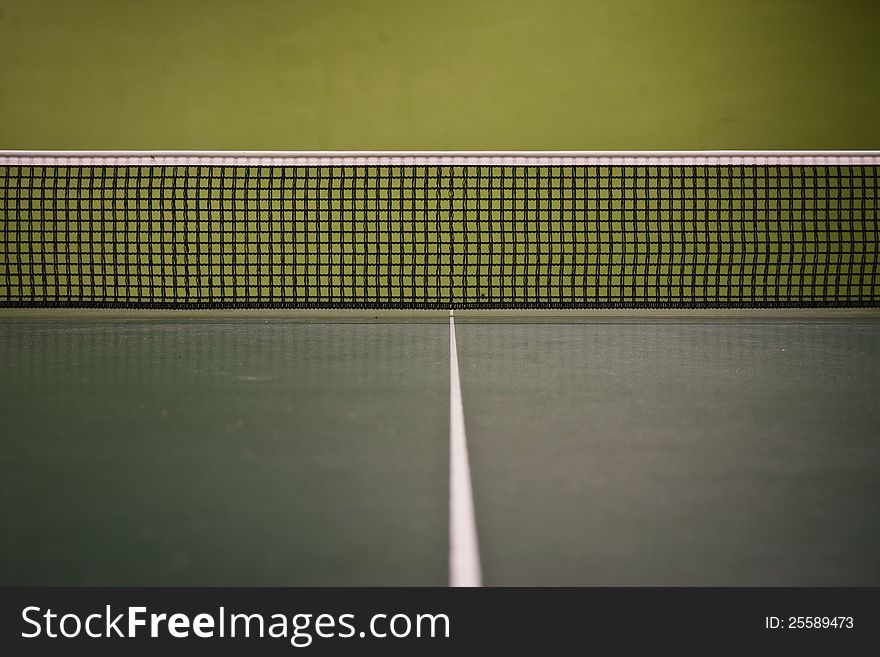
x: 464, y: 551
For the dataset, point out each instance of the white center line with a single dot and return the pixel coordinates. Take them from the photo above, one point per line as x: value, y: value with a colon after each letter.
x: 464, y: 551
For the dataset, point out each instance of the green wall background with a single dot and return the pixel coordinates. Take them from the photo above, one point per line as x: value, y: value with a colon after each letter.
x: 441, y: 74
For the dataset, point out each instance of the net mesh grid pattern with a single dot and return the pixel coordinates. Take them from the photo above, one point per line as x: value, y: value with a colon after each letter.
x: 202, y: 234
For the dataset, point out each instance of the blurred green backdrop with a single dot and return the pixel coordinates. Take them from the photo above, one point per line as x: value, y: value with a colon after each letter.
x: 439, y: 74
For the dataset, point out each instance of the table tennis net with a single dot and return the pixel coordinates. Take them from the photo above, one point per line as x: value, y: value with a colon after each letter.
x: 442, y: 230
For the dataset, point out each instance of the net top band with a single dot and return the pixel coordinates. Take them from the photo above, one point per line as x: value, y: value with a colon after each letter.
x: 439, y: 158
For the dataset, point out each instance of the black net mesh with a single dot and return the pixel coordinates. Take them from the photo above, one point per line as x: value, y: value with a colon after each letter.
x: 421, y: 235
